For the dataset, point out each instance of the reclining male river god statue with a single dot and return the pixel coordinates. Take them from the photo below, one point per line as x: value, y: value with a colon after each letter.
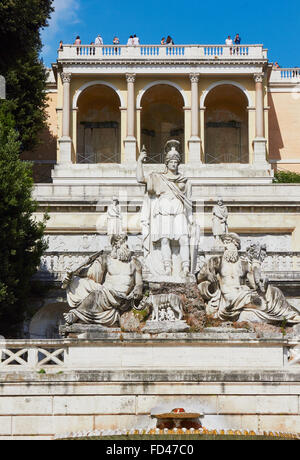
x: 234, y: 288
x: 106, y: 286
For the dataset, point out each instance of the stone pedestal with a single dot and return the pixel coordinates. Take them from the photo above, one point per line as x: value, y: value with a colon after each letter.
x: 87, y: 331
x: 130, y: 150
x: 260, y: 151
x: 195, y: 150
x: 160, y: 327
x: 65, y: 149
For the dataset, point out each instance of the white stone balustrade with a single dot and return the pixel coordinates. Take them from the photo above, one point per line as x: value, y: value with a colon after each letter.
x: 30, y: 356
x: 54, y: 265
x: 285, y: 75
x: 149, y: 52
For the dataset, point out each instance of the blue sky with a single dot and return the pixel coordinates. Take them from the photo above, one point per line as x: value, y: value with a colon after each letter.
x: 275, y: 23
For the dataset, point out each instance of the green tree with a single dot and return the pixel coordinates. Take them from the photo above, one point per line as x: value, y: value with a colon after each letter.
x: 21, y: 236
x: 287, y: 177
x: 20, y: 25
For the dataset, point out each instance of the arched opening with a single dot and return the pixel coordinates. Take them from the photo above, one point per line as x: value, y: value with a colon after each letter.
x: 226, y: 125
x: 99, y: 126
x: 162, y: 119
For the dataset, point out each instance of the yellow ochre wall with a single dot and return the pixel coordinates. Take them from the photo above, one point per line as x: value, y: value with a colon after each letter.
x: 284, y: 128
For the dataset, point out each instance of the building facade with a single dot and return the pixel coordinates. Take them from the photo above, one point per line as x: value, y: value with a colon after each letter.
x: 224, y: 104
x: 235, y: 115
x: 236, y: 118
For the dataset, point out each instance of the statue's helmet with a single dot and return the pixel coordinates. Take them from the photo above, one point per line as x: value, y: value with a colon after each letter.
x: 171, y: 149
x: 232, y: 237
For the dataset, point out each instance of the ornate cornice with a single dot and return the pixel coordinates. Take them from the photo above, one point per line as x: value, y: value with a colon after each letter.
x: 133, y: 62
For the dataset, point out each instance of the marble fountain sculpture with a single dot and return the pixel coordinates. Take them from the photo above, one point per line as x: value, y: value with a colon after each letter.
x: 232, y: 286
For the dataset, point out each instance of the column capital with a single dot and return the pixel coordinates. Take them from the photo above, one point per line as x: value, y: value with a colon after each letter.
x: 258, y: 77
x: 194, y: 77
x: 66, y: 77
x: 130, y: 77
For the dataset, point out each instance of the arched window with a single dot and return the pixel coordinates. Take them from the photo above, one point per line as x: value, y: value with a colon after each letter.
x: 162, y: 119
x: 99, y: 126
x: 226, y: 125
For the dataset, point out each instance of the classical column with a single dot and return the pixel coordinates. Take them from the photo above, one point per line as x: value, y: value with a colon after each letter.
x: 130, y: 141
x: 65, y: 141
x: 194, y: 142
x: 202, y: 132
x: 259, y: 142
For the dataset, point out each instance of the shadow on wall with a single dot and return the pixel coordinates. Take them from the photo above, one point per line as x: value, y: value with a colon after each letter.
x: 43, y: 157
x: 45, y: 323
x: 275, y: 138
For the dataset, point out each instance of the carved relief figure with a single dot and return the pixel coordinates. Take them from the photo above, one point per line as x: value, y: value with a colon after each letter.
x: 232, y: 285
x: 167, y: 214
x: 114, y: 218
x: 219, y: 221
x: 106, y: 286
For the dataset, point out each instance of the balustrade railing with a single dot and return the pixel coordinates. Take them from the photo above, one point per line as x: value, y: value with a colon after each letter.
x: 31, y: 355
x: 103, y: 52
x: 97, y: 157
x: 54, y: 265
x: 285, y: 75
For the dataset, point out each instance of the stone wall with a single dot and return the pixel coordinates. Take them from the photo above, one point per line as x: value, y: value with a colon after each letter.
x: 237, y: 380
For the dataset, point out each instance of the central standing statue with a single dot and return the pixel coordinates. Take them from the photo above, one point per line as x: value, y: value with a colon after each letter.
x: 167, y: 221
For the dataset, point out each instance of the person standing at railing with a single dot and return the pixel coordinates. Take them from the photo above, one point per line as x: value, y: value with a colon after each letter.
x: 229, y: 42
x: 92, y: 50
x: 98, y: 40
x: 116, y: 41
x: 163, y: 41
x: 77, y: 42
x: 237, y: 41
x: 169, y: 40
x: 61, y: 45
x: 135, y: 40
x: 130, y: 41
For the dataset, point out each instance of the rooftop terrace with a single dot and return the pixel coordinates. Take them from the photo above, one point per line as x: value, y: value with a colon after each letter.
x: 161, y: 52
